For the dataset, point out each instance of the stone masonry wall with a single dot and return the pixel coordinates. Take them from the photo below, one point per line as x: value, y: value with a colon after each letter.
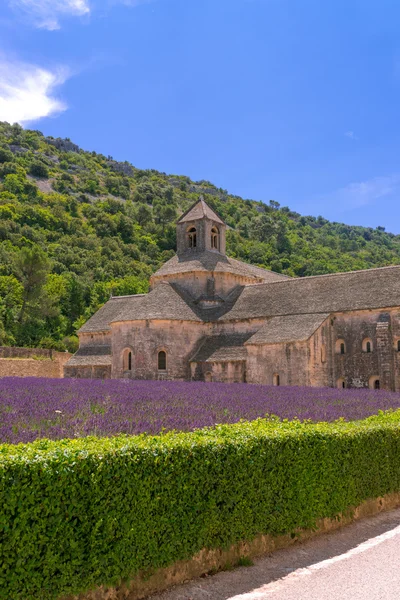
x: 18, y: 362
x: 356, y: 367
x: 289, y: 361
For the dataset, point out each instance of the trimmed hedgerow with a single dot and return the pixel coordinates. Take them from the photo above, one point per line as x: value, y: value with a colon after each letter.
x: 76, y: 514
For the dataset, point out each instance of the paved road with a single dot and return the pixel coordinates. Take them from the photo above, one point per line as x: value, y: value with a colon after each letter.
x: 358, y: 562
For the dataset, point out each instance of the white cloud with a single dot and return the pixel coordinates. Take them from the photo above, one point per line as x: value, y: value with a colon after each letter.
x: 26, y: 92
x: 351, y: 135
x: 47, y: 13
x: 362, y: 193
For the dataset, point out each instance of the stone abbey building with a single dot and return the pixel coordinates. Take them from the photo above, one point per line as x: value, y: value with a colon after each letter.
x: 209, y: 317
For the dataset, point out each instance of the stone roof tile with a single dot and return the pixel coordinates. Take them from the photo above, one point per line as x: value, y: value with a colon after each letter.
x: 91, y: 356
x: 222, y: 348
x: 215, y: 262
x: 284, y: 329
x: 163, y: 302
x: 199, y: 210
x: 340, y: 292
x: 101, y: 320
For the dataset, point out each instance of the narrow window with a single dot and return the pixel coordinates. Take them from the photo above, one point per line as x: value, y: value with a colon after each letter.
x: 276, y: 379
x: 398, y: 346
x: 162, y: 361
x: 127, y: 360
x: 377, y: 384
x: 215, y: 238
x: 367, y: 345
x: 192, y: 237
x: 340, y: 347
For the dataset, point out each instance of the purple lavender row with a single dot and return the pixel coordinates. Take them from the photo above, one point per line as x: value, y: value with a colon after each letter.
x: 32, y: 408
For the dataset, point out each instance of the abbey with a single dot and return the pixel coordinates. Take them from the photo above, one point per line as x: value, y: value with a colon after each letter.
x: 210, y: 317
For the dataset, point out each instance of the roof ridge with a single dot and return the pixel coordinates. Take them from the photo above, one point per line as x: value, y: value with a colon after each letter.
x: 324, y: 275
x: 242, y: 262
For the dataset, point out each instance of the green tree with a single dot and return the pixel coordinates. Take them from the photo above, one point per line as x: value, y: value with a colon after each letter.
x: 32, y: 267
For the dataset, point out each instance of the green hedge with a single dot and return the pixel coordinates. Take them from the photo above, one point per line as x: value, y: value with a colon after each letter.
x: 76, y: 514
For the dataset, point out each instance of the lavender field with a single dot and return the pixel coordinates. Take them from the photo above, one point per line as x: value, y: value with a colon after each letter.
x: 33, y: 408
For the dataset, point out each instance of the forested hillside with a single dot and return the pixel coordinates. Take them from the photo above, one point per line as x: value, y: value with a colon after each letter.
x: 76, y: 226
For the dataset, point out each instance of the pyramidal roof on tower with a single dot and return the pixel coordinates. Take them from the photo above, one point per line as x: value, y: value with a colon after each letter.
x: 200, y: 210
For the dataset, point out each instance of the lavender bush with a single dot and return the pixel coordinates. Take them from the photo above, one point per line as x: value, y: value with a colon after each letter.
x: 32, y: 408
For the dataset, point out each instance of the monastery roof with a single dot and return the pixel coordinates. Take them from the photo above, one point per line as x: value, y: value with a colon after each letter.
x: 199, y: 210
x: 340, y: 292
x: 163, y: 302
x: 221, y: 348
x: 215, y: 262
x: 318, y: 295
x: 290, y: 328
x: 98, y: 356
x: 101, y: 320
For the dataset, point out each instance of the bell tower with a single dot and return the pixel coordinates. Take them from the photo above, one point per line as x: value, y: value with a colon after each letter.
x: 200, y: 229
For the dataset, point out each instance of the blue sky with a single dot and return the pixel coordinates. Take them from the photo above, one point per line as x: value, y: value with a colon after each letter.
x: 291, y: 100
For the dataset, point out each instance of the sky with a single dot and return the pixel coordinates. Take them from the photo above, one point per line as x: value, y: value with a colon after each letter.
x: 292, y: 100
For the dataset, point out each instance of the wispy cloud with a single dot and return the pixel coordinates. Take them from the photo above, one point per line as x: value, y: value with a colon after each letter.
x: 27, y: 92
x: 351, y: 135
x: 361, y: 193
x: 46, y: 14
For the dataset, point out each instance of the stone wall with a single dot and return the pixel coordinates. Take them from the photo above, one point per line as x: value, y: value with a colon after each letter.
x: 288, y: 361
x: 146, y: 338
x: 32, y: 362
x: 356, y: 366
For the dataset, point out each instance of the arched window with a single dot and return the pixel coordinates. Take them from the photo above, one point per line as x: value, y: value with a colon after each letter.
x: 341, y: 384
x: 374, y: 383
x: 276, y: 379
x: 340, y: 347
x: 162, y: 360
x: 215, y: 238
x: 192, y: 237
x: 367, y: 345
x: 127, y: 360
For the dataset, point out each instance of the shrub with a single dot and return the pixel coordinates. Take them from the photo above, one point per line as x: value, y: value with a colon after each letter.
x: 39, y: 169
x: 6, y: 155
x: 76, y: 514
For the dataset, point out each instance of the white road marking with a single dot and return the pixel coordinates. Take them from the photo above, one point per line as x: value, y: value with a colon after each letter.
x: 274, y: 586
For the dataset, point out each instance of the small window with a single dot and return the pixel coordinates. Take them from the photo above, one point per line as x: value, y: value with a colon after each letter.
x: 215, y: 238
x: 374, y: 383
x: 398, y: 345
x: 162, y: 360
x: 367, y: 345
x: 192, y: 237
x: 276, y: 379
x: 341, y: 384
x: 127, y: 360
x: 340, y: 347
